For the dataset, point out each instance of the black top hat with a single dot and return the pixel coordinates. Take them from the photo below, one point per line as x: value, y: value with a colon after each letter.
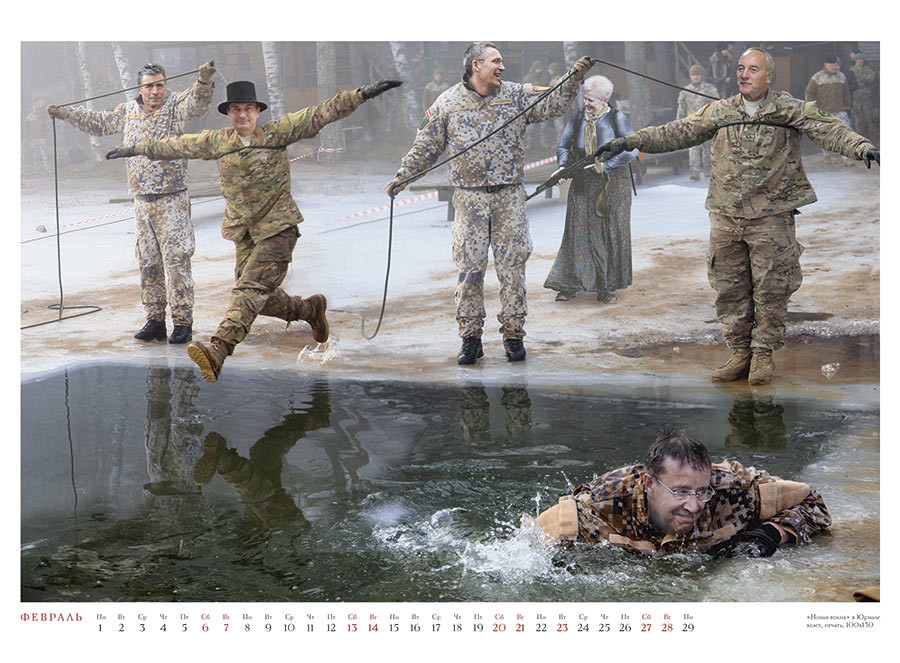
x: 240, y: 92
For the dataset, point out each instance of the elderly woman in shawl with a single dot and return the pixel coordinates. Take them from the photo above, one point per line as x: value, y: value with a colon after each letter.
x: 595, y: 253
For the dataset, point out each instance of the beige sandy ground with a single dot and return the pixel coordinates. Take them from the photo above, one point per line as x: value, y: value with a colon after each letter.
x: 663, y: 325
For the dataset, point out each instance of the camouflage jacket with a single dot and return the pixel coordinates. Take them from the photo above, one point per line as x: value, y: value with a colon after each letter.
x: 136, y: 122
x: 831, y: 92
x: 614, y: 508
x: 689, y: 103
x: 865, y: 76
x: 461, y: 116
x: 756, y: 168
x: 256, y: 182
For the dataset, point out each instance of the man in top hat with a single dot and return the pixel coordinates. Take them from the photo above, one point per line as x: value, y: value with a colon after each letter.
x: 164, y: 234
x: 261, y: 217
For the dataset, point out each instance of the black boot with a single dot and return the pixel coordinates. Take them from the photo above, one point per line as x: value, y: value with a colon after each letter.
x: 470, y: 351
x: 153, y: 330
x: 515, y: 349
x: 180, y: 334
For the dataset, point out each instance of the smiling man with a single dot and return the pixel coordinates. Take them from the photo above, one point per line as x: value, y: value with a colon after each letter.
x: 164, y: 233
x: 261, y: 216
x: 755, y: 189
x: 680, y: 501
x: 489, y: 198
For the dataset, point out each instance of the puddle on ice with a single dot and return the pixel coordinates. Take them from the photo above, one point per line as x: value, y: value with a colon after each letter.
x: 147, y: 484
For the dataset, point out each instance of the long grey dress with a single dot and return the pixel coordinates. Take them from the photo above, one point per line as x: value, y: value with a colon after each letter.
x: 595, y: 253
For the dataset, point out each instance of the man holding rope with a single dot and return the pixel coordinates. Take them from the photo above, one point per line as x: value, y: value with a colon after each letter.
x: 164, y: 234
x: 757, y: 184
x: 489, y: 178
x: 261, y: 216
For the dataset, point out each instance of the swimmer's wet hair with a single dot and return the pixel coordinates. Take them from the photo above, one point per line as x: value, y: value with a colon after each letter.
x: 679, y: 447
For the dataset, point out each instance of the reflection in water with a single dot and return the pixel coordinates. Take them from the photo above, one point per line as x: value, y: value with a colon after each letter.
x: 398, y: 491
x: 756, y: 421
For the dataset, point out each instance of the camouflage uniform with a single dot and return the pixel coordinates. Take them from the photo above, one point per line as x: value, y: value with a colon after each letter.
x: 164, y: 234
x: 831, y: 92
x: 490, y: 195
x: 863, y: 99
x: 261, y: 216
x: 698, y: 155
x: 757, y: 184
x: 614, y: 508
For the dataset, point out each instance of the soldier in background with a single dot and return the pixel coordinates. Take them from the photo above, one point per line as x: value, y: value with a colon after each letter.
x: 757, y: 185
x: 434, y: 88
x: 830, y: 90
x: 721, y: 68
x: 698, y: 155
x: 864, y: 98
x: 679, y: 501
x: 261, y: 216
x: 490, y: 194
x: 164, y: 233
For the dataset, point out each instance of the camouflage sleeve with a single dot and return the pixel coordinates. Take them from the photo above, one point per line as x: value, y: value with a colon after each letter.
x: 793, y: 505
x: 188, y: 146
x: 811, y: 89
x: 827, y: 131
x: 195, y: 101
x: 554, y: 104
x: 430, y: 142
x: 308, y: 122
x: 692, y: 130
x: 98, y: 123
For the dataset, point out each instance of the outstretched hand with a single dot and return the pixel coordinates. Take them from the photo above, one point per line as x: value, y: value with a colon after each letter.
x: 872, y: 155
x: 374, y: 89
x: 610, y: 149
x: 121, y: 152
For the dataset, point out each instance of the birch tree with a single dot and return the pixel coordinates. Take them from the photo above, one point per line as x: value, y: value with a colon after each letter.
x: 408, y: 93
x: 326, y: 83
x: 641, y: 111
x: 272, y: 64
x: 81, y: 49
x: 122, y: 68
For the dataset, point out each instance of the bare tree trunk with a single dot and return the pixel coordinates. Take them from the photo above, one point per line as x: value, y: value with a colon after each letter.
x: 640, y: 102
x: 272, y: 64
x: 88, y: 92
x: 122, y: 67
x: 408, y: 92
x: 570, y: 50
x: 326, y: 82
x: 664, y: 53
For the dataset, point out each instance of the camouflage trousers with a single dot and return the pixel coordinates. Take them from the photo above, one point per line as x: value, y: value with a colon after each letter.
x: 754, y: 267
x: 164, y: 244
x: 863, y: 113
x: 491, y: 221
x: 698, y: 158
x: 259, y: 269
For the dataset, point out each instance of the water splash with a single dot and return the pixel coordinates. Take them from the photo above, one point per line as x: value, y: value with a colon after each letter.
x: 321, y: 353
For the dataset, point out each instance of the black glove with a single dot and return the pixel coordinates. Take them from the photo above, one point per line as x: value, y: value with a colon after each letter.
x: 762, y: 542
x: 121, y: 152
x: 875, y: 154
x: 610, y: 149
x: 374, y: 89
x: 584, y: 63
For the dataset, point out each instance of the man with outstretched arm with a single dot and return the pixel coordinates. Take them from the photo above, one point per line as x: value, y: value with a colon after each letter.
x: 261, y: 216
x: 489, y: 198
x: 164, y: 232
x: 757, y: 185
x: 679, y: 501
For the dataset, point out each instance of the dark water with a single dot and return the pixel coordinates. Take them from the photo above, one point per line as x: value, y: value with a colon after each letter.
x: 148, y: 484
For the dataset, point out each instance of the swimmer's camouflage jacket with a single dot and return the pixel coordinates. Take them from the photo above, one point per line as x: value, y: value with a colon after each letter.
x: 756, y: 169
x: 614, y: 508
x: 136, y: 123
x: 461, y: 116
x: 256, y: 182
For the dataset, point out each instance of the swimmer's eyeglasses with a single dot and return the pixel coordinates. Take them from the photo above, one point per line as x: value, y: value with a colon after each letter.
x: 703, y: 495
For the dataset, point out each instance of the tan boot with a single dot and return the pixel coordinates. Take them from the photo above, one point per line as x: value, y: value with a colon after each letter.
x: 735, y: 368
x: 206, y: 466
x: 761, y: 367
x: 209, y: 357
x: 313, y: 312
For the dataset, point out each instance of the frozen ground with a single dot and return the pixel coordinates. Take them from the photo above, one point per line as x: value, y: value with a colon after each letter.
x: 662, y: 327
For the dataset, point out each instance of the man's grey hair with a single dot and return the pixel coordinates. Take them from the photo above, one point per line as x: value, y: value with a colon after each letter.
x: 770, y: 61
x: 151, y: 69
x: 599, y: 85
x: 475, y: 52
x: 680, y: 448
